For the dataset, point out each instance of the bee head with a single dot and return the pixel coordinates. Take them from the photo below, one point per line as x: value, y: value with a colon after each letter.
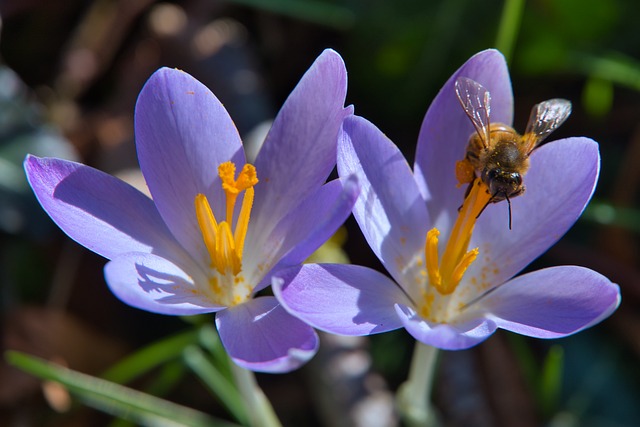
x: 503, y: 184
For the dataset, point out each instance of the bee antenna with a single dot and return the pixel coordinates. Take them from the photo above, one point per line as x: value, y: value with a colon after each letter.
x: 509, y: 207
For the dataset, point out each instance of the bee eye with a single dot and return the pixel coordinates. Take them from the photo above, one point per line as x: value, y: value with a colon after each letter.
x: 517, y: 178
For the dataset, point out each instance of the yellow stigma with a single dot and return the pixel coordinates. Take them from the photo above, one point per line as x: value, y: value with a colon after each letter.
x: 445, y: 275
x: 225, y: 246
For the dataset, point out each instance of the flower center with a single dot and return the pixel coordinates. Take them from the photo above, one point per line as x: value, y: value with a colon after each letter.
x: 445, y: 274
x: 224, y: 244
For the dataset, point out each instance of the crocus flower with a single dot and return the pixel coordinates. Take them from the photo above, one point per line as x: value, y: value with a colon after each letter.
x: 453, y: 270
x: 216, y: 227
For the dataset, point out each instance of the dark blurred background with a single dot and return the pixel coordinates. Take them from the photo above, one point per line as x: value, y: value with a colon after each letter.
x: 70, y: 73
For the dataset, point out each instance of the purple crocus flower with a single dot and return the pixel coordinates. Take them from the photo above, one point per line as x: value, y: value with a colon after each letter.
x: 454, y: 288
x: 217, y: 227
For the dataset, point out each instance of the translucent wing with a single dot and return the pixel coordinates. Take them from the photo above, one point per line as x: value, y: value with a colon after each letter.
x: 475, y: 101
x: 545, y: 117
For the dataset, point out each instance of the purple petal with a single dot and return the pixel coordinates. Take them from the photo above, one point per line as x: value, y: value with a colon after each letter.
x: 309, y: 225
x: 300, y: 149
x: 446, y: 130
x: 340, y: 299
x: 97, y: 210
x: 183, y: 133
x: 261, y: 336
x: 559, y: 184
x: 458, y: 336
x: 152, y: 283
x: 390, y: 210
x: 553, y: 302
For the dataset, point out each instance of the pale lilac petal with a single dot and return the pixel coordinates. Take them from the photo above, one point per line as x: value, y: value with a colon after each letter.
x: 183, y: 133
x: 308, y: 226
x: 340, y: 299
x: 154, y: 284
x: 559, y: 184
x: 453, y: 336
x: 261, y: 336
x: 300, y: 149
x: 551, y: 303
x: 390, y: 210
x: 446, y: 130
x: 97, y: 210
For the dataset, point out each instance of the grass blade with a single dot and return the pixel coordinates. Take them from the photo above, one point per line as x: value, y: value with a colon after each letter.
x: 150, y: 357
x: 216, y: 382
x: 113, y: 398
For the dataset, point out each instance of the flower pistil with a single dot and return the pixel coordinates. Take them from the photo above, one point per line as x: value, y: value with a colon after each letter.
x: 444, y: 275
x: 225, y: 245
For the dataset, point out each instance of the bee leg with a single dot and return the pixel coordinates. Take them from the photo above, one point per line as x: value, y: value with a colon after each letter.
x: 465, y: 172
x: 491, y: 200
x: 485, y: 207
x: 466, y: 194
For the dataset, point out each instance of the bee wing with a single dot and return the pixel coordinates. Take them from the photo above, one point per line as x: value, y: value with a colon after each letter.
x: 545, y: 117
x: 475, y: 101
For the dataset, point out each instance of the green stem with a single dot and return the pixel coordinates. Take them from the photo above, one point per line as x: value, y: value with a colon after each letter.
x: 414, y: 396
x: 218, y: 384
x: 509, y: 27
x: 261, y: 413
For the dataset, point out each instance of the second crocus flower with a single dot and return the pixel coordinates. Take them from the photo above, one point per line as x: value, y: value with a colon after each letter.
x: 417, y: 225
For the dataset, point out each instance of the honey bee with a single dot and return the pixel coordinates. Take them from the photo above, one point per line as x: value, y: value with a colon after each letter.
x: 496, y: 152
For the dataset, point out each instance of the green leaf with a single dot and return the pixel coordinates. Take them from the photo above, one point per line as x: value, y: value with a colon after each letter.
x: 209, y: 339
x: 611, y: 66
x: 509, y: 27
x: 526, y: 360
x: 112, y: 398
x: 607, y: 214
x: 150, y: 357
x: 551, y: 380
x: 169, y: 375
x: 216, y: 382
x: 597, y: 96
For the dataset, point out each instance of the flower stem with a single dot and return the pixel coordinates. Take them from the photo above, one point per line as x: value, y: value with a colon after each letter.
x: 414, y: 396
x: 261, y: 413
